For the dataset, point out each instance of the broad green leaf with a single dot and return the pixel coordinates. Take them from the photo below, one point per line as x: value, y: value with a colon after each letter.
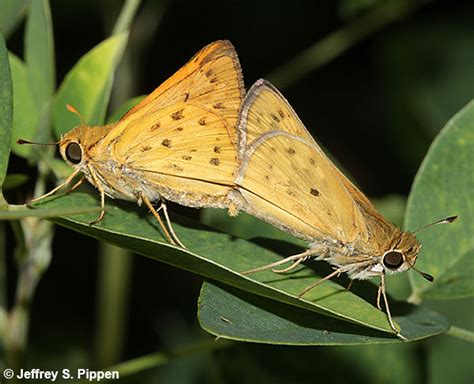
x: 87, y: 86
x: 6, y: 113
x: 124, y: 108
x: 25, y: 111
x: 443, y: 187
x: 39, y: 52
x: 221, y: 257
x: 244, y: 226
x: 230, y: 313
x: 11, y: 14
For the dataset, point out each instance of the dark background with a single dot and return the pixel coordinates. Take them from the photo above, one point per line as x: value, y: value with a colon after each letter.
x: 376, y: 108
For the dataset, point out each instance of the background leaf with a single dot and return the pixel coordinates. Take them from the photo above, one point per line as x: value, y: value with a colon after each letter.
x: 443, y: 187
x: 39, y: 52
x: 25, y: 111
x: 87, y: 86
x: 12, y: 12
x: 6, y: 113
x: 237, y: 315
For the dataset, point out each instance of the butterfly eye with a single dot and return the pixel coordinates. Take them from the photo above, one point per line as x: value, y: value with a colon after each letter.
x: 393, y: 259
x: 74, y: 153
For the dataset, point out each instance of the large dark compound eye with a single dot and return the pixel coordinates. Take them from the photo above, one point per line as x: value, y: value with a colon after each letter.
x: 74, y: 153
x: 393, y: 259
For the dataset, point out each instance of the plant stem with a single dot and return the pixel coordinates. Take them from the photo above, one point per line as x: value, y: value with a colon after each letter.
x: 32, y: 255
x: 112, y: 304
x: 126, y: 16
x: 338, y: 42
x: 461, y: 333
x: 156, y: 359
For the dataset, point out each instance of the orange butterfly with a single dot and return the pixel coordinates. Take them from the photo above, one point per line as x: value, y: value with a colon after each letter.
x: 179, y: 143
x: 285, y: 178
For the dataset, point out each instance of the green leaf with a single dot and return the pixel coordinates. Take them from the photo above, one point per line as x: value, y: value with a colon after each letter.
x: 87, y: 85
x: 6, y: 114
x: 233, y: 314
x: 25, y: 111
x: 443, y: 187
x: 39, y: 52
x: 11, y: 14
x: 221, y: 257
x: 124, y: 108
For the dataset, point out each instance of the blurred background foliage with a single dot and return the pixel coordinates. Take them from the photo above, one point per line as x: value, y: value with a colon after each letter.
x: 375, y: 104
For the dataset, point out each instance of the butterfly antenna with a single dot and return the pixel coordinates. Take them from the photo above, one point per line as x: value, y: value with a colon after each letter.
x: 21, y: 142
x: 447, y: 220
x: 427, y: 276
x: 70, y: 108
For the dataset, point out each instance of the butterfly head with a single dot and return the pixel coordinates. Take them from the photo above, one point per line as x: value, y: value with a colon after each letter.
x: 71, y: 147
x: 402, y: 254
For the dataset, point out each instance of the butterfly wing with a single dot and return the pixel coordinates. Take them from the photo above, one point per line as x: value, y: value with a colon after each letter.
x: 286, y: 179
x: 182, y: 138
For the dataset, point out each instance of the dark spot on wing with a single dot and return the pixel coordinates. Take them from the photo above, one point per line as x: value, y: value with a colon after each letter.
x: 193, y: 150
x: 267, y: 177
x: 166, y: 143
x: 178, y: 115
x: 275, y: 117
x: 145, y: 148
x: 176, y: 167
x: 202, y: 121
x: 282, y: 115
x: 218, y: 106
x: 209, y: 73
x: 155, y: 126
x: 314, y: 192
x: 179, y: 129
x: 312, y: 161
x: 186, y: 96
x: 217, y: 149
x: 215, y: 161
x: 291, y: 151
x: 186, y: 157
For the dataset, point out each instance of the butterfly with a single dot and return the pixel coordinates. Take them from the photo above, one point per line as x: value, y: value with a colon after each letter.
x: 178, y: 144
x: 285, y: 179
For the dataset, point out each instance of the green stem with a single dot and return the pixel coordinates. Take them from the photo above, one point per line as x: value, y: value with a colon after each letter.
x: 461, y: 333
x: 126, y: 16
x: 156, y: 359
x: 338, y: 42
x: 114, y: 286
x: 32, y: 255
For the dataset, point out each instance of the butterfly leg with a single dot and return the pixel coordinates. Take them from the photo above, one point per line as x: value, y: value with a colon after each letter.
x: 102, y: 205
x: 303, y: 255
x: 79, y: 182
x: 66, y: 182
x: 168, y: 222
x: 292, y: 266
x: 379, y: 294
x: 387, y: 308
x: 102, y: 195
x: 157, y: 216
x: 349, y: 286
x: 317, y: 282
